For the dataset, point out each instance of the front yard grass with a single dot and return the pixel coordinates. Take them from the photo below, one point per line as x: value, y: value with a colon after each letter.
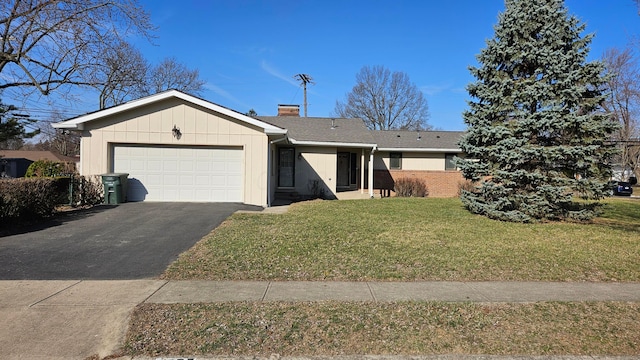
x: 405, y: 328
x: 400, y: 239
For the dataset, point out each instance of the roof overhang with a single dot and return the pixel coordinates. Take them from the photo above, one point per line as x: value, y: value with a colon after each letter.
x: 78, y: 123
x: 332, y: 144
x: 423, y: 150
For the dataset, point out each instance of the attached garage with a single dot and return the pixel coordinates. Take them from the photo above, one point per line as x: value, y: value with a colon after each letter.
x: 187, y: 173
x: 176, y: 147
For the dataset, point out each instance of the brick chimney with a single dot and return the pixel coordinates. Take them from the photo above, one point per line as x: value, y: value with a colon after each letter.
x: 288, y: 110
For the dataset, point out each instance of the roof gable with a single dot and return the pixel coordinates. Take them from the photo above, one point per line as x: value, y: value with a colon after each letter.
x: 78, y: 122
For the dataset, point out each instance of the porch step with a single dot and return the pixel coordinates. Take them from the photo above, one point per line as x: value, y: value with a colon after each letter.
x: 290, y: 195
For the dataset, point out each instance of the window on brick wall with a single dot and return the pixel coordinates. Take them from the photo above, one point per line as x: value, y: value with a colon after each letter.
x: 449, y: 163
x: 395, y: 160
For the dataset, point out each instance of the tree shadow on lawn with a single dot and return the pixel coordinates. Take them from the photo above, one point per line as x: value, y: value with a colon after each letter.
x: 57, y: 219
x: 623, y: 215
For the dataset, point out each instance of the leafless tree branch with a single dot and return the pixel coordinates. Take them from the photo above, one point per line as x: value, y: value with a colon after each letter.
x: 47, y: 44
x: 385, y: 100
x: 623, y: 104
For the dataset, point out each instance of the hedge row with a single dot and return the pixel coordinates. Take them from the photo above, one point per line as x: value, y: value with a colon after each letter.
x: 26, y: 199
x: 32, y: 198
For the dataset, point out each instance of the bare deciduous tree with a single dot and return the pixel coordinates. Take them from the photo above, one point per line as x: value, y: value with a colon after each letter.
x: 46, y: 44
x: 170, y: 74
x: 624, y: 105
x: 121, y: 76
x: 385, y: 100
x: 126, y: 75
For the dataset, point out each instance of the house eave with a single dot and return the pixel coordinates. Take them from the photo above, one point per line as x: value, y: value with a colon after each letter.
x: 331, y: 144
x: 77, y: 123
x: 65, y: 125
x: 423, y: 150
x: 276, y: 132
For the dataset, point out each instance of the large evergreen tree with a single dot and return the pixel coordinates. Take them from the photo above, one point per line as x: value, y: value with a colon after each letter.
x: 13, y: 127
x: 536, y: 136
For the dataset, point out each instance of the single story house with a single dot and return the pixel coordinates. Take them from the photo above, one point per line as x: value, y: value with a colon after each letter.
x: 14, y: 163
x: 177, y: 147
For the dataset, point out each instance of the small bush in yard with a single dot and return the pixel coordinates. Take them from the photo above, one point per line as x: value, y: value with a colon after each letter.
x: 466, y: 185
x: 410, y: 187
x: 27, y: 199
x: 88, y: 190
x: 47, y: 168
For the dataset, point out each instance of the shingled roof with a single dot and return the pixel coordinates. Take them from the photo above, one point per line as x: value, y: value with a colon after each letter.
x: 417, y: 140
x: 309, y: 130
x: 353, y: 132
x: 35, y: 155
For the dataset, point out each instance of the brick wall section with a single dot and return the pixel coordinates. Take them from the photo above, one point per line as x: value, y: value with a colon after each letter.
x: 439, y: 183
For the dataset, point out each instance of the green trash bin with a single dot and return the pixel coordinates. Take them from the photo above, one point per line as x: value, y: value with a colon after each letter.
x: 115, y: 188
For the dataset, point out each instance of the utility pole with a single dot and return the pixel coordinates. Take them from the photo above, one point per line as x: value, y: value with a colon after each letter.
x: 304, y: 78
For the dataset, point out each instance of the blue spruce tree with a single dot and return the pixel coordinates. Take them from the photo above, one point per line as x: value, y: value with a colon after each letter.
x: 536, y: 136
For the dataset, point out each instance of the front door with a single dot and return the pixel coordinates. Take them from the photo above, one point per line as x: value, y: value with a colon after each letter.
x: 286, y: 166
x: 342, y: 178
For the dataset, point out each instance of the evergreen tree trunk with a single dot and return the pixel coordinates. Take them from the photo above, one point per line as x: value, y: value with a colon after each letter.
x: 536, y: 136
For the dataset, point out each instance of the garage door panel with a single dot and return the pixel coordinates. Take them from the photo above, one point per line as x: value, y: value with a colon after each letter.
x: 139, y: 152
x: 151, y: 180
x: 202, y: 180
x: 160, y: 173
x: 152, y: 165
x: 186, y: 165
x: 136, y: 164
x: 234, y: 168
x: 170, y: 180
x: 234, y: 179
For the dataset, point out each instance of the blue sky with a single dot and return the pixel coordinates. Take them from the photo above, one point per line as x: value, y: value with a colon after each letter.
x: 248, y: 51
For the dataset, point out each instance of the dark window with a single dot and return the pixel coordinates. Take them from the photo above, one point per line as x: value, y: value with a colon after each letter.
x: 286, y: 167
x: 449, y: 163
x: 395, y: 160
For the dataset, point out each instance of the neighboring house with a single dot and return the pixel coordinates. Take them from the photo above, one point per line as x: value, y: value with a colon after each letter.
x: 14, y: 163
x: 176, y: 147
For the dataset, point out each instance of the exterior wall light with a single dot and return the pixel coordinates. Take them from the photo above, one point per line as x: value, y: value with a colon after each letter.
x: 176, y: 132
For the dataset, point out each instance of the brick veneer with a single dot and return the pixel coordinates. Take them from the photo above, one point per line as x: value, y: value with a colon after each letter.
x: 439, y: 183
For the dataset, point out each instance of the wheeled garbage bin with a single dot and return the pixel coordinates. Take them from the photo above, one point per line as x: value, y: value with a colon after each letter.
x: 115, y: 188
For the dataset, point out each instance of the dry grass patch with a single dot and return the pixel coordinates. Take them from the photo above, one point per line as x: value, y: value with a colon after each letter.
x: 332, y: 328
x: 414, y: 239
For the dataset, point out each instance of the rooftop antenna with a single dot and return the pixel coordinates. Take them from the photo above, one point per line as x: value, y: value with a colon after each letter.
x: 305, y: 79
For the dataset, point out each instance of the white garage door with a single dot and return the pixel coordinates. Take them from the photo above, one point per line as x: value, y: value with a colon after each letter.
x: 162, y: 173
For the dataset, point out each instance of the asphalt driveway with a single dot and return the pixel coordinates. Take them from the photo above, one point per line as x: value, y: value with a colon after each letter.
x: 126, y: 241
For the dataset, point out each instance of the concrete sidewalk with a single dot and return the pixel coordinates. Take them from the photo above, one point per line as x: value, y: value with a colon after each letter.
x: 220, y: 291
x: 77, y: 319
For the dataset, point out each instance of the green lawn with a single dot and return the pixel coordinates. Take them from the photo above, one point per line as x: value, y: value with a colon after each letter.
x: 405, y: 239
x: 405, y: 328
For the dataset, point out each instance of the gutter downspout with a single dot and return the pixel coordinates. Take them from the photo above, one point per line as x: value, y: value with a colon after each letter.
x: 373, y: 150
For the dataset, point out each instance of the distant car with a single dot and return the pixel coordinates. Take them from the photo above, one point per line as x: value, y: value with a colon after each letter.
x: 620, y: 188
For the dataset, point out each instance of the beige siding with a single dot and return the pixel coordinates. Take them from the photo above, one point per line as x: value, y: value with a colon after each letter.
x: 316, y: 163
x: 153, y: 124
x: 412, y: 161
